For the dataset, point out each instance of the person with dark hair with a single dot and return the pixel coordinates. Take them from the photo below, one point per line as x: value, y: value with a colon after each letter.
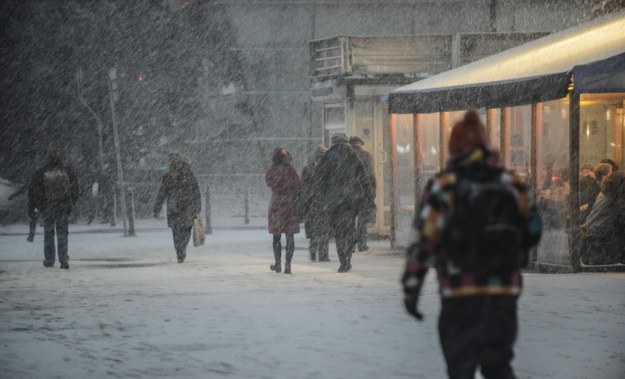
x: 316, y: 228
x: 588, y: 191
x: 611, y: 163
x: 604, y: 228
x: 477, y: 222
x: 342, y: 185
x: 366, y: 208
x: 33, y: 214
x: 53, y: 192
x: 180, y: 189
x: 285, y: 184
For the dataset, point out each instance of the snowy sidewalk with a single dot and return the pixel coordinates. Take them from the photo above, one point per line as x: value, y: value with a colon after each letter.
x: 141, y: 225
x: 126, y: 309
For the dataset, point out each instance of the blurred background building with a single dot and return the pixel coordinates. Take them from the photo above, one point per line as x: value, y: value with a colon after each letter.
x: 226, y: 81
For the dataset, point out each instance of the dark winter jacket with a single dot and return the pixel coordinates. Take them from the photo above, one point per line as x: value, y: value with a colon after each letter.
x: 436, y: 208
x: 313, y: 220
x: 342, y: 179
x: 285, y: 184
x: 37, y: 190
x: 368, y: 203
x: 182, y: 192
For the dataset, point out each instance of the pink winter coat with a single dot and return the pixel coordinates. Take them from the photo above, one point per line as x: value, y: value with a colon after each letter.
x: 285, y: 184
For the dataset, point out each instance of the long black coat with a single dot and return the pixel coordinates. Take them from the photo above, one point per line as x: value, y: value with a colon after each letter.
x: 365, y: 159
x: 342, y: 178
x: 182, y: 193
x: 37, y: 194
x: 313, y: 221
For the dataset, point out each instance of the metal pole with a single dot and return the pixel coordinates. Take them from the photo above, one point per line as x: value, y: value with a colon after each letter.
x: 574, y: 121
x: 120, y: 174
x: 247, y: 207
x: 207, y: 214
x: 97, y: 119
x: 131, y: 212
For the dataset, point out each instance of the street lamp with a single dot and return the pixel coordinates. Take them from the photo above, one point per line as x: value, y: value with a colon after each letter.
x: 114, y: 96
x: 95, y: 115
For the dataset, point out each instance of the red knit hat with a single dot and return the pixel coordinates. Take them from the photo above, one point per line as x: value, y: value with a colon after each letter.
x: 467, y: 134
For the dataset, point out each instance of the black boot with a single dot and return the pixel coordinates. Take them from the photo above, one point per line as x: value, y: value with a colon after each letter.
x: 290, y: 249
x: 276, y: 267
x: 348, y: 261
x: 343, y: 266
x: 277, y: 254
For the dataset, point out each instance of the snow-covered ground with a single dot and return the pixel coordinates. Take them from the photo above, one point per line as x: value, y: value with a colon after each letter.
x: 127, y: 309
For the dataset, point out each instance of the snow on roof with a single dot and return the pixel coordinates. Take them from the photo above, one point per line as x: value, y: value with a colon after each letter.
x: 547, y: 61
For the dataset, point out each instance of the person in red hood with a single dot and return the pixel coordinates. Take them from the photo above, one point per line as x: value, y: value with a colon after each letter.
x: 285, y: 184
x: 477, y: 222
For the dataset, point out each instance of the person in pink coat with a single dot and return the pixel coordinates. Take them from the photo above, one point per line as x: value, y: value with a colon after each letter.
x: 285, y: 185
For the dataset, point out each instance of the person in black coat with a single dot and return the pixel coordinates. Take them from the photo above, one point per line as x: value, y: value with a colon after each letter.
x: 366, y: 208
x: 315, y: 226
x: 52, y: 193
x: 342, y: 185
x: 181, y: 191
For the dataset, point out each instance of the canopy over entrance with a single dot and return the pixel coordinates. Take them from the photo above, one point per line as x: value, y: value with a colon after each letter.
x: 591, y: 56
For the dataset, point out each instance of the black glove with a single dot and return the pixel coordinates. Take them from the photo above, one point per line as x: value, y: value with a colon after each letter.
x: 411, y: 300
x: 412, y: 287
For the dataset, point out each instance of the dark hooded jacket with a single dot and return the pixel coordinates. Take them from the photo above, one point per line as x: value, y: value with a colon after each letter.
x: 342, y: 179
x: 368, y: 203
x: 37, y: 192
x: 308, y: 209
x: 182, y: 192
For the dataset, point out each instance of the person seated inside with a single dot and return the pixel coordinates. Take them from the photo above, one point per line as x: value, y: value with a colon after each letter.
x: 588, y: 191
x: 603, y: 232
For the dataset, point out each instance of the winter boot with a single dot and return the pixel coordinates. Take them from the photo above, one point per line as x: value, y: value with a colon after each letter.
x: 290, y: 249
x: 343, y: 266
x: 181, y: 256
x: 277, y: 254
x: 276, y: 267
x: 348, y: 261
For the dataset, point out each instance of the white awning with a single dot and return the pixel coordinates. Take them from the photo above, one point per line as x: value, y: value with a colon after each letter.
x: 592, y: 53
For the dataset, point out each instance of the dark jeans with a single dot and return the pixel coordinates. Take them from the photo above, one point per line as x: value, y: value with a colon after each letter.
x: 182, y: 235
x: 55, y: 221
x: 319, y: 245
x: 342, y: 222
x: 478, y: 331
x: 361, y: 231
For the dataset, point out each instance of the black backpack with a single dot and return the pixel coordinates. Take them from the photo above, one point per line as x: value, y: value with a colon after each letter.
x: 485, y: 233
x: 56, y: 185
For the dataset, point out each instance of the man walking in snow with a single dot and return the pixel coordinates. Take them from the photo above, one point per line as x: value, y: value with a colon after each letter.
x: 477, y: 222
x: 342, y: 184
x: 53, y: 193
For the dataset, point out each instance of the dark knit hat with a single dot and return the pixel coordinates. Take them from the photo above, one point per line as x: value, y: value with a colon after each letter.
x: 467, y: 134
x: 355, y: 140
x: 339, y: 138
